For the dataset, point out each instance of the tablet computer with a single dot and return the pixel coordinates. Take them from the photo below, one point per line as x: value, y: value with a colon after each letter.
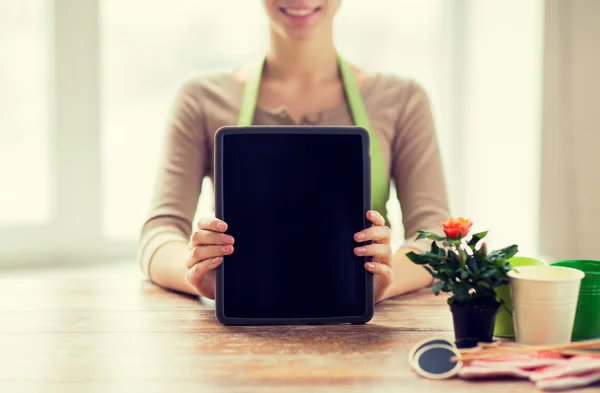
x: 293, y: 197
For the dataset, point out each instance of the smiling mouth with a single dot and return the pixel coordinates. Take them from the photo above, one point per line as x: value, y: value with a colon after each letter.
x: 299, y: 12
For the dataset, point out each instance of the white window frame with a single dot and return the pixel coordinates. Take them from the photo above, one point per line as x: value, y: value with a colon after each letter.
x: 74, y: 157
x: 75, y: 134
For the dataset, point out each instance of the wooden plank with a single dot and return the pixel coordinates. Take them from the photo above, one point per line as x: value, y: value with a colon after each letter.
x: 160, y: 321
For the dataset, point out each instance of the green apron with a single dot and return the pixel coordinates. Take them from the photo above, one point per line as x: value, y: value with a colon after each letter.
x: 379, y: 181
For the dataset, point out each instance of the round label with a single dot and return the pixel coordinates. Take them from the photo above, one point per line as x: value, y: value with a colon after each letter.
x: 426, y: 342
x: 435, y: 361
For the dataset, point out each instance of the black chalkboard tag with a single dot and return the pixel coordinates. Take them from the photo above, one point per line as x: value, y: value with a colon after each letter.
x: 435, y: 361
x: 427, y: 342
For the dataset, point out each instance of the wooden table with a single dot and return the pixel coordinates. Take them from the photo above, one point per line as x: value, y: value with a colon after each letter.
x: 109, y: 330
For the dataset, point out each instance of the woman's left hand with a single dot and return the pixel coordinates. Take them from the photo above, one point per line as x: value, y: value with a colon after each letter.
x: 380, y: 250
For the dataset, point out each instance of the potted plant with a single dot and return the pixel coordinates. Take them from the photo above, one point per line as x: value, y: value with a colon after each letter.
x: 464, y: 268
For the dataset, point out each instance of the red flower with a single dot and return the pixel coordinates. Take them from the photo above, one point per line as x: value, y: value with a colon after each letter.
x: 457, y: 228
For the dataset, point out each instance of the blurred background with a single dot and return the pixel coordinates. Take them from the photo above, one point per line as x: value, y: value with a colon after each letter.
x: 86, y: 85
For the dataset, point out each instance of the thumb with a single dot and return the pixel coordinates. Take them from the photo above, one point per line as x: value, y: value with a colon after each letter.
x: 204, y: 283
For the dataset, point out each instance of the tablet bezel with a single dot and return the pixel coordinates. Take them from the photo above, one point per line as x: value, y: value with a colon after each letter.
x: 218, y: 189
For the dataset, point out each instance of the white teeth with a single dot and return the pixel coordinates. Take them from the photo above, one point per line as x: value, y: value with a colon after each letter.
x: 299, y: 11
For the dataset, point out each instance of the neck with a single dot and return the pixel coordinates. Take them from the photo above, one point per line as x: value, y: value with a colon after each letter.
x: 308, y: 61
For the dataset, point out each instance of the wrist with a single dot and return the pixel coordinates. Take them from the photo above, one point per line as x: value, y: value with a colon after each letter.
x: 168, y: 270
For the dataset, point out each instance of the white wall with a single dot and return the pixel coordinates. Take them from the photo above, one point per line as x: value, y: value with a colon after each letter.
x: 503, y: 74
x: 570, y: 196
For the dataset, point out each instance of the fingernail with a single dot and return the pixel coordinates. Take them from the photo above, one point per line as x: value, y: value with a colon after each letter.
x: 221, y: 226
x: 225, y: 248
x: 361, y: 250
x: 216, y: 260
x: 360, y: 235
x: 227, y: 239
x: 371, y: 265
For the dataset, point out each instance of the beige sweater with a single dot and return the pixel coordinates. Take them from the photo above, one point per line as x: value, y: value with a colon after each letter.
x: 399, y: 112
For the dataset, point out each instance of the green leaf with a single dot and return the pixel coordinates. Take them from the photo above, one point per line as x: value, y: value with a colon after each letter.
x: 437, y: 288
x: 433, y: 274
x: 453, y: 261
x: 499, y: 262
x: 505, y: 253
x: 412, y: 256
x: 429, y: 235
x: 461, y: 293
x: 476, y: 238
x: 423, y: 235
x: 511, y: 251
x: 421, y: 259
x: 435, y: 249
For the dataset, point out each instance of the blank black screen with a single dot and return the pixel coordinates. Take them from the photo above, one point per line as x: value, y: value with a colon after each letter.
x: 293, y: 204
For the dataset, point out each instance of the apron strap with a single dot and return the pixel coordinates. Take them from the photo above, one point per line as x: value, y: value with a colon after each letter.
x: 250, y: 97
x: 379, y: 180
x: 358, y: 111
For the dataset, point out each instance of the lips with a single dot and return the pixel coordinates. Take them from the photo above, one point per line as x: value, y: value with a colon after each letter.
x: 299, y: 14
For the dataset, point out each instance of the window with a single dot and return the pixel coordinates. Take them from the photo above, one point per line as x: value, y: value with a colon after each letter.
x: 146, y: 54
x: 86, y: 87
x: 24, y: 133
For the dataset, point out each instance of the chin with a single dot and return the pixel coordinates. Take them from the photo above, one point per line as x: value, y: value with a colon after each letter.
x: 298, y: 34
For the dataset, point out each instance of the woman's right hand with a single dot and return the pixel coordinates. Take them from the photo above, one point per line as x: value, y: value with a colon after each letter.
x: 208, y: 244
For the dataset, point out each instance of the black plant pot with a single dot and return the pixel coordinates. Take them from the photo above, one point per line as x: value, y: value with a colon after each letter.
x: 473, y: 323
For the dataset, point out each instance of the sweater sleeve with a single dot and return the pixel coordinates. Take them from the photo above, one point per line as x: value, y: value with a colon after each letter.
x: 182, y: 166
x: 416, y: 169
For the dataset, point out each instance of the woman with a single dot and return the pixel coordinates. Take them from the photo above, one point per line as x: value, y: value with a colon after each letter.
x: 299, y: 83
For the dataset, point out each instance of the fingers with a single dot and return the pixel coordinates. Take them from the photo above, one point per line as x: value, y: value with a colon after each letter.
x: 383, y: 273
x: 201, y: 276
x: 380, y: 234
x: 212, y: 224
x: 201, y: 253
x: 208, y: 245
x: 203, y: 267
x: 209, y: 241
x: 204, y: 237
x: 376, y: 218
x: 381, y: 252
